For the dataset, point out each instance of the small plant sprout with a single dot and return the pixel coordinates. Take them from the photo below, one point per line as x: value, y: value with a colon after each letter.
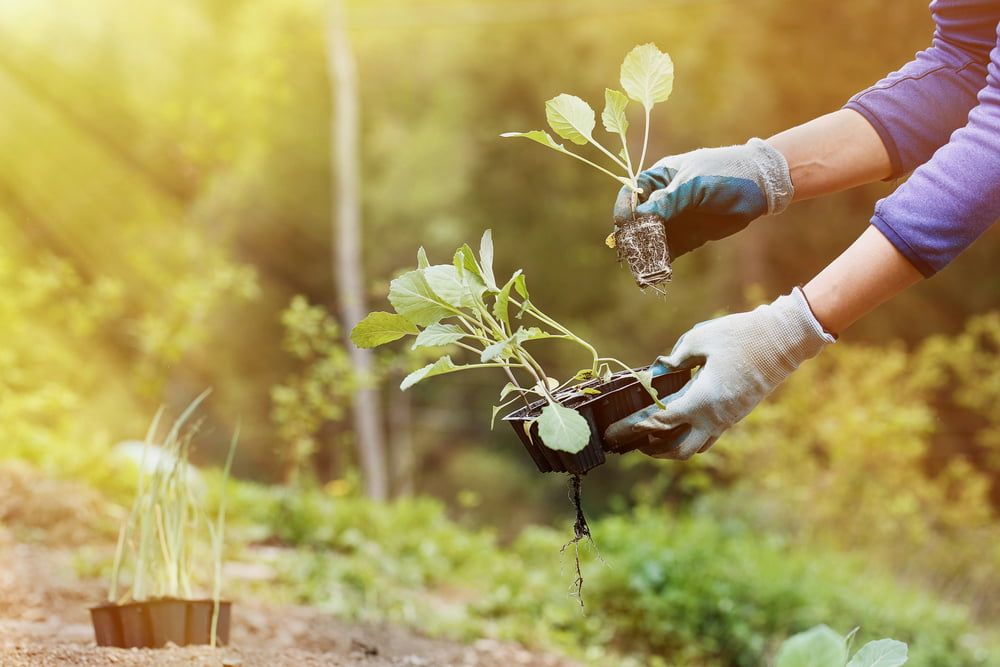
x: 823, y: 647
x: 162, y: 537
x: 647, y: 77
x: 463, y: 305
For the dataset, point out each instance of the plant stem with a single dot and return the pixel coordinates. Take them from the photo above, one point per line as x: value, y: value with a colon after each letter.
x: 609, y: 154
x: 645, y: 143
x: 612, y: 359
x: 520, y: 391
x: 598, y: 167
x: 628, y: 158
x: 542, y: 317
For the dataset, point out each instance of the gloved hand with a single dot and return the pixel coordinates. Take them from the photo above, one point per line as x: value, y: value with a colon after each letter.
x: 710, y: 193
x: 743, y: 357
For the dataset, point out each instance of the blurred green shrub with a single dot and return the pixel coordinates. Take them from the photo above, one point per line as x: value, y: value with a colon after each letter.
x: 319, y: 392
x: 854, y: 452
x: 686, y: 590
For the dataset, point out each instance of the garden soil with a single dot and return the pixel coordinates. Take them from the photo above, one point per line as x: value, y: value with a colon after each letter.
x: 44, y: 619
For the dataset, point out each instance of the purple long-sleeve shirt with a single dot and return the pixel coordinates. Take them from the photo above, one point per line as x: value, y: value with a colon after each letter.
x: 940, y: 115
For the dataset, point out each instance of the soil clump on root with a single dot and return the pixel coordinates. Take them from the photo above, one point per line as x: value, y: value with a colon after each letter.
x: 642, y: 244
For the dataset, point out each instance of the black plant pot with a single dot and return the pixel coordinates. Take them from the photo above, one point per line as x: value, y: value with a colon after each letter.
x: 155, y: 623
x: 620, y: 396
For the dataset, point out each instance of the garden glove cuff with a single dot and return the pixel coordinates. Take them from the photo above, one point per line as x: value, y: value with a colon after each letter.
x: 742, y: 358
x: 710, y: 193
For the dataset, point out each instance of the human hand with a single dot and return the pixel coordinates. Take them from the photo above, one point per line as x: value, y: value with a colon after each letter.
x: 742, y: 358
x: 709, y: 193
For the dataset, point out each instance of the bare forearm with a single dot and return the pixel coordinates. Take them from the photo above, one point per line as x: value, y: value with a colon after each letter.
x: 834, y: 152
x: 868, y: 273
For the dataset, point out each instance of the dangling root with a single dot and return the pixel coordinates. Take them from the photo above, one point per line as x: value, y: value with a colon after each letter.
x: 580, y: 531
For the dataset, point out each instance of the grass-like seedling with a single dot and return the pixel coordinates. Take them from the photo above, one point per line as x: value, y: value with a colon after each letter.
x: 463, y: 305
x: 163, y: 528
x: 647, y: 77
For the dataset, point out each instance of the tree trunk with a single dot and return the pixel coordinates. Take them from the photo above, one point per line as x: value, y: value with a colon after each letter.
x: 402, y: 455
x: 346, y: 252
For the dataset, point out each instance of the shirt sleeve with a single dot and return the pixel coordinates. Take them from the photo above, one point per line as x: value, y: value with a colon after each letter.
x: 915, y: 110
x: 953, y: 198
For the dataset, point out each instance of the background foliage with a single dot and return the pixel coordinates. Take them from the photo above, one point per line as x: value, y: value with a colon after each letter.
x: 165, y: 218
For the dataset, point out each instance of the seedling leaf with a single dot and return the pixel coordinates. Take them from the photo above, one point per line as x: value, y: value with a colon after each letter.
x: 413, y: 298
x: 563, y: 429
x: 571, y: 118
x: 494, y: 351
x: 520, y: 286
x: 818, y: 647
x: 503, y: 299
x: 493, y: 419
x: 499, y: 348
x: 881, y: 653
x: 550, y: 384
x: 590, y: 391
x: 509, y: 387
x: 454, y: 289
x: 647, y: 75
x: 613, y: 116
x: 439, y: 334
x: 422, y: 261
x: 486, y: 259
x: 439, y: 367
x: 645, y: 378
x: 379, y: 328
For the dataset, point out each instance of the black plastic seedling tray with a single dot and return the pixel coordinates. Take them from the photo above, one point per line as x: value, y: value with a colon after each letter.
x: 155, y: 623
x: 620, y: 396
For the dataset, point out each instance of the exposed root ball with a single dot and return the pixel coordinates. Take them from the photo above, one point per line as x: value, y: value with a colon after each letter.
x: 642, y: 244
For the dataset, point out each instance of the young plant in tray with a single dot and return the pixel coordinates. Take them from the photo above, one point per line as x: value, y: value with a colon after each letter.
x: 161, y: 541
x: 462, y: 304
x: 646, y: 77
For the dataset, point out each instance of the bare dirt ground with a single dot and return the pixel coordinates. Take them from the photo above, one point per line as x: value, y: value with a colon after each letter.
x: 44, y: 619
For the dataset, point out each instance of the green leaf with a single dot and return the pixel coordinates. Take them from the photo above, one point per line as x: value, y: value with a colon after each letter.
x: 439, y: 367
x: 493, y: 419
x: 486, y: 258
x: 495, y: 351
x: 563, y: 429
x: 469, y: 260
x: 613, y: 115
x: 590, y: 391
x: 450, y: 287
x: 509, y: 387
x: 645, y: 378
x: 881, y: 653
x: 604, y: 372
x: 379, y: 328
x: 540, y: 136
x: 499, y: 348
x: 413, y: 298
x: 571, y: 118
x: 550, y: 384
x: 439, y: 334
x: 500, y: 306
x: 520, y: 286
x: 422, y: 261
x: 647, y: 75
x: 818, y: 647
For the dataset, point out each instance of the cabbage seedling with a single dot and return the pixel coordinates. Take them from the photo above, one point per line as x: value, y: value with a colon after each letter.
x: 647, y: 77
x: 462, y: 304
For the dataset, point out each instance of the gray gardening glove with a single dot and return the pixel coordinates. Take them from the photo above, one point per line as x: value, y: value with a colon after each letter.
x: 710, y: 193
x: 743, y: 357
